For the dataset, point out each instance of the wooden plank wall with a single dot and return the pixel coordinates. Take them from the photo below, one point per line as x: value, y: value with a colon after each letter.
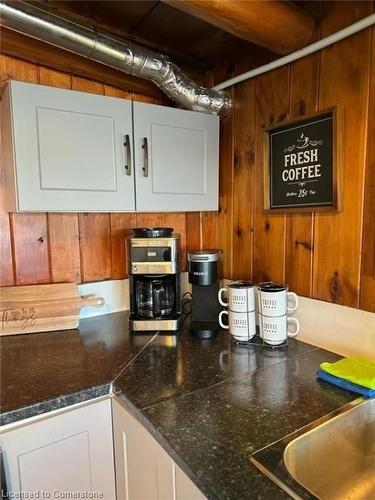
x: 56, y: 247
x: 325, y: 256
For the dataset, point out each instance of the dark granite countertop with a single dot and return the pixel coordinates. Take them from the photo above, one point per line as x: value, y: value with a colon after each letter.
x: 45, y: 371
x: 210, y: 403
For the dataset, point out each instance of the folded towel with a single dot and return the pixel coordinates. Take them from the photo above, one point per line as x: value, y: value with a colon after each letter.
x: 360, y: 371
x: 344, y: 384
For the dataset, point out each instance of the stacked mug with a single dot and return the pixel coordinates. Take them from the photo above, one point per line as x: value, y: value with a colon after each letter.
x: 269, y: 302
x: 273, y: 306
x: 241, y: 310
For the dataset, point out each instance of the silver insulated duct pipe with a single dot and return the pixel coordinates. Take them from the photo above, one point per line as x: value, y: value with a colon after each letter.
x: 118, y: 53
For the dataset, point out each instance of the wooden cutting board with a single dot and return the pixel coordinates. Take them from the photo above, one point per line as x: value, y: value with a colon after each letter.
x: 42, y: 308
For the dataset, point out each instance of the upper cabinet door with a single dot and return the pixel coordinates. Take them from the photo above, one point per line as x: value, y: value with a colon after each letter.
x: 176, y: 159
x: 70, y: 151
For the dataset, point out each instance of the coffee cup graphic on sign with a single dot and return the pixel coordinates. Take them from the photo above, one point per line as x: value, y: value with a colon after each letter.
x: 241, y: 296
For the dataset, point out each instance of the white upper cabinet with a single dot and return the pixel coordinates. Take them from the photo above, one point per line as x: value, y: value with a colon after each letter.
x: 66, y: 150
x: 176, y: 159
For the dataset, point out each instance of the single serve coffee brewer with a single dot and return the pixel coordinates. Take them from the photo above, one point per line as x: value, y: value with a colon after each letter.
x: 204, y: 274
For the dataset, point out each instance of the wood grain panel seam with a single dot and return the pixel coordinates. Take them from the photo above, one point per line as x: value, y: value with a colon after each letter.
x: 313, y: 219
x: 231, y: 245
x: 12, y: 248
x: 371, y: 72
x: 312, y: 229
x: 80, y: 248
x: 201, y: 230
x: 371, y: 69
x: 362, y: 211
x: 110, y: 235
x: 255, y: 183
x: 320, y: 15
x: 253, y: 190
x: 285, y: 215
x: 49, y: 255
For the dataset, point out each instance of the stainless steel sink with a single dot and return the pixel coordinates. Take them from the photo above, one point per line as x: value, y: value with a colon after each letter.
x: 332, y: 458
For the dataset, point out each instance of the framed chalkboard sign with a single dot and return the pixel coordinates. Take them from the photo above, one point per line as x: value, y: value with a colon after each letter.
x: 302, y: 163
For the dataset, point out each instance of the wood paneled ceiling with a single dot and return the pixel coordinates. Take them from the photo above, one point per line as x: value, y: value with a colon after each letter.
x: 192, y: 43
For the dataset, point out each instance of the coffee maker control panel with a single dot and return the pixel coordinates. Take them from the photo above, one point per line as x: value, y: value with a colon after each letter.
x: 154, y: 255
x: 151, y: 254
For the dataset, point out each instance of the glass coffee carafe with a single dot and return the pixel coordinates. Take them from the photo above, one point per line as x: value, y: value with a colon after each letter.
x: 155, y: 297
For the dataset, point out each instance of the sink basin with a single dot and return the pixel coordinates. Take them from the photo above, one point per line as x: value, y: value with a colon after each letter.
x: 332, y: 458
x: 337, y: 458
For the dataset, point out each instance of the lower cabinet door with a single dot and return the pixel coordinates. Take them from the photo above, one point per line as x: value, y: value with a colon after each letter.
x: 70, y: 452
x: 185, y: 489
x: 144, y: 471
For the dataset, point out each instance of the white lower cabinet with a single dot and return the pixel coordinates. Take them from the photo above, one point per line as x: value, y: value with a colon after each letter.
x: 144, y: 471
x: 184, y: 488
x: 70, y: 451
x: 91, y: 451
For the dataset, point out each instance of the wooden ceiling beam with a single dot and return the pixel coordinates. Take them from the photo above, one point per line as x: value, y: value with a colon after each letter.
x: 279, y: 26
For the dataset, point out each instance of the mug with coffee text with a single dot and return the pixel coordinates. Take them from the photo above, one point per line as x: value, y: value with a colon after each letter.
x: 275, y: 300
x: 274, y: 330
x: 257, y: 292
x: 241, y: 325
x: 240, y: 296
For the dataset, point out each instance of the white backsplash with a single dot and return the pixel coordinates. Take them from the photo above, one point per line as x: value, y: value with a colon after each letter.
x: 114, y: 292
x: 344, y: 330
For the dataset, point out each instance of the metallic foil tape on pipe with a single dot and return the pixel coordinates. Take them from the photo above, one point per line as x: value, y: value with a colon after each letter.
x: 112, y: 51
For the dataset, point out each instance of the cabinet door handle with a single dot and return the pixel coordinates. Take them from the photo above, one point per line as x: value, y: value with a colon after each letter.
x: 128, y: 155
x: 4, y: 486
x: 145, y: 157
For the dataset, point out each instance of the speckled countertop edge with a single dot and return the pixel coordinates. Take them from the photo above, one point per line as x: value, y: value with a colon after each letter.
x: 65, y: 400
x: 58, y: 403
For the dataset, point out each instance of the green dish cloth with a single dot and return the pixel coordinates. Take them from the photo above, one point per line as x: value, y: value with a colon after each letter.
x: 357, y: 370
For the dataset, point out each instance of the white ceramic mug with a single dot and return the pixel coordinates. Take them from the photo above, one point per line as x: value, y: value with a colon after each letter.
x: 240, y: 296
x: 274, y: 330
x: 274, y: 299
x: 241, y: 325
